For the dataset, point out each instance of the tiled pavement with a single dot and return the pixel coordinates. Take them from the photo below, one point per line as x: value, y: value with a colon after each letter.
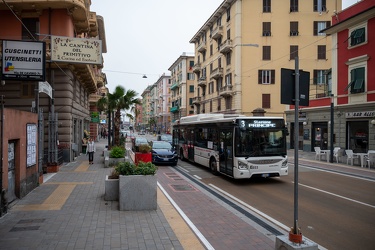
x: 68, y: 212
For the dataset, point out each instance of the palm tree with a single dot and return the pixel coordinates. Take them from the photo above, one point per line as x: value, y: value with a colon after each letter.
x: 119, y: 100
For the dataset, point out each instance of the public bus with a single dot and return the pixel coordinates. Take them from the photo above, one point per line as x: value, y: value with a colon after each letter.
x: 234, y: 145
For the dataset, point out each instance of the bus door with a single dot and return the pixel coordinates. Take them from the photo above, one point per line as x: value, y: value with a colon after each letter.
x: 226, y: 151
x: 191, y: 146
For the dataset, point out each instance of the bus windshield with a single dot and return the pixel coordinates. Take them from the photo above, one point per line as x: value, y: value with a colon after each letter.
x: 253, y: 142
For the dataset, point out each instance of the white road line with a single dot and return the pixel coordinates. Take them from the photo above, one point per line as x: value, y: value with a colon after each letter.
x: 198, y: 177
x: 278, y: 223
x: 188, y: 221
x: 336, y: 195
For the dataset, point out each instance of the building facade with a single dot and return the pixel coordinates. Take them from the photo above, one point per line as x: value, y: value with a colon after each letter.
x: 182, y: 87
x: 353, y: 87
x: 241, y: 48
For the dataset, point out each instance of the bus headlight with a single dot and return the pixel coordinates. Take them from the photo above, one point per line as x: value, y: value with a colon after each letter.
x: 284, y: 164
x: 242, y: 165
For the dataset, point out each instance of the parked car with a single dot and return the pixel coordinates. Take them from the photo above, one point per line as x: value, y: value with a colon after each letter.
x: 142, y: 132
x: 139, y: 141
x: 166, y: 137
x: 163, y: 153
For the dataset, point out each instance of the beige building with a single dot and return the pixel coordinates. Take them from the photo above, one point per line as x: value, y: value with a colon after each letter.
x: 241, y: 48
x: 182, y: 87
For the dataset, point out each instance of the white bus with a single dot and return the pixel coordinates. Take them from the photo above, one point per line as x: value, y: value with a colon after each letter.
x: 234, y: 145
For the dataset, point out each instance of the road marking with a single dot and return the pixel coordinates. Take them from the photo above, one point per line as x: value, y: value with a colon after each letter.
x: 336, y: 195
x: 82, y: 167
x: 187, y: 220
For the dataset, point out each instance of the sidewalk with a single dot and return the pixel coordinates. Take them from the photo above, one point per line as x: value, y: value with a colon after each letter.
x: 68, y: 212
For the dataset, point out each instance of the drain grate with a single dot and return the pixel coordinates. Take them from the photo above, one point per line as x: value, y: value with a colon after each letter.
x: 183, y: 187
x: 19, y: 229
x: 31, y: 221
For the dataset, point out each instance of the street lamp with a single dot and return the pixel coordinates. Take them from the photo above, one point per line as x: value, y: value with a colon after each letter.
x: 331, y: 148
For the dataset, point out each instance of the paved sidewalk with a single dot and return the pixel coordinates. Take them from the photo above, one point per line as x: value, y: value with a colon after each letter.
x: 68, y: 211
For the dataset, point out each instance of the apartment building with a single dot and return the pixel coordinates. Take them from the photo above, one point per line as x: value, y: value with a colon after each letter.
x: 146, y: 109
x: 351, y: 108
x: 182, y: 87
x: 162, y: 104
x: 241, y: 48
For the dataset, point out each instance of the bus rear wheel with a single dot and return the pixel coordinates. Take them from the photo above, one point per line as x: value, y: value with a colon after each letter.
x: 213, y: 167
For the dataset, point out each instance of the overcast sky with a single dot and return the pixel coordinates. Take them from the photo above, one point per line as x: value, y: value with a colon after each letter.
x: 146, y: 37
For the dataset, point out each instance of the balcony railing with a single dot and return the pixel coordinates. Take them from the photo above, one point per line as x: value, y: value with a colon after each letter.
x: 202, y: 81
x: 226, y: 46
x: 202, y: 47
x: 217, y: 32
x: 196, y: 100
x: 226, y: 90
x: 217, y: 73
x: 175, y: 85
x: 174, y: 109
x: 197, y: 68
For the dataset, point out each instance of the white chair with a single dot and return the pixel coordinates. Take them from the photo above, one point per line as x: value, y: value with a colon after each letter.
x: 337, y: 153
x: 370, y: 158
x: 351, y: 156
x: 319, y: 153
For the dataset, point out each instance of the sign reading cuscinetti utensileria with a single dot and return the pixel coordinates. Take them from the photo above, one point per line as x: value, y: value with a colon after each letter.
x: 76, y: 50
x: 23, y: 61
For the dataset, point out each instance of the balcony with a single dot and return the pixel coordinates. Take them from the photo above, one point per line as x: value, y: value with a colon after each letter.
x: 202, y: 82
x: 217, y: 73
x: 226, y: 90
x: 197, y: 68
x: 217, y: 33
x: 94, y: 98
x: 226, y: 46
x: 202, y: 47
x: 93, y: 24
x: 174, y: 86
x: 174, y: 109
x: 100, y: 80
x: 196, y: 100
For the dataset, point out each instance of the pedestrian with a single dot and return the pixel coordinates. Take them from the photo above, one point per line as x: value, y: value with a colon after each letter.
x: 90, y: 150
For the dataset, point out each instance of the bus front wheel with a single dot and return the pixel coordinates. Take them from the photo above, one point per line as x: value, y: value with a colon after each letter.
x: 213, y: 166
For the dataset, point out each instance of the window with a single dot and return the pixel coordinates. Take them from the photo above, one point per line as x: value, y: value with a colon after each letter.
x: 28, y: 90
x: 266, y: 5
x: 32, y: 24
x: 211, y: 87
x: 266, y: 76
x: 218, y: 22
x: 293, y: 5
x: 266, y: 28
x: 211, y: 50
x: 210, y: 106
x: 228, y: 14
x: 318, y: 26
x: 357, y: 80
x: 293, y: 52
x: 228, y: 79
x: 266, y: 53
x: 319, y: 77
x: 322, y: 52
x: 218, y: 104
x: 228, y: 34
x: 191, y: 89
x: 228, y: 103
x: 320, y: 5
x: 358, y: 36
x: 266, y: 101
x: 219, y: 84
x: 190, y: 76
x: 294, y: 29
x: 228, y: 58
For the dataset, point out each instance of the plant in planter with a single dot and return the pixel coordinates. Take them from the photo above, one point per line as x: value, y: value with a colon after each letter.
x: 143, y: 154
x: 117, y: 154
x: 137, y: 186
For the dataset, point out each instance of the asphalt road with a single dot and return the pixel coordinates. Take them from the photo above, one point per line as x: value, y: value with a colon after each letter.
x: 336, y: 211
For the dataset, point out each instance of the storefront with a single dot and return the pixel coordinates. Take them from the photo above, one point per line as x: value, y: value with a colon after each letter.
x: 358, y: 125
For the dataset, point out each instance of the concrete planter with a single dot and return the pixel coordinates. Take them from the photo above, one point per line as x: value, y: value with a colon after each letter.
x: 137, y: 192
x: 111, y: 189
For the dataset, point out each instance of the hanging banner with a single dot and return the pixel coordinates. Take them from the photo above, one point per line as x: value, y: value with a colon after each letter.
x: 76, y: 50
x: 24, y: 61
x: 45, y: 87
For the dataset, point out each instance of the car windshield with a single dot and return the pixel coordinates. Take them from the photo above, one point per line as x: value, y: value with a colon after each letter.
x: 141, y: 140
x: 161, y: 145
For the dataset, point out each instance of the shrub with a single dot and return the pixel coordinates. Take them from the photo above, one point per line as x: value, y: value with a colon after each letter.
x: 117, y: 152
x: 144, y: 148
x: 143, y: 168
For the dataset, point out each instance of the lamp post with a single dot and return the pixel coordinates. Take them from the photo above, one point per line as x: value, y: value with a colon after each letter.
x: 331, y: 137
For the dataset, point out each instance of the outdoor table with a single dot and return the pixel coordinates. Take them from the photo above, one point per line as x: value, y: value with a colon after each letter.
x: 361, y: 157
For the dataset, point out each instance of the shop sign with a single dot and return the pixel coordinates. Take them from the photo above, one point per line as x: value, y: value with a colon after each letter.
x: 361, y: 114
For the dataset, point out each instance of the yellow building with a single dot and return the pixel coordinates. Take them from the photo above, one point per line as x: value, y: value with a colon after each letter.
x: 182, y: 87
x: 241, y: 48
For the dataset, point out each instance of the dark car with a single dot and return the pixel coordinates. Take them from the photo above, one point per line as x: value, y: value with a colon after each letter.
x: 163, y: 153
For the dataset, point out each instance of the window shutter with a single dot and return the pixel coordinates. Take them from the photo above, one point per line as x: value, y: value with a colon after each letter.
x: 273, y: 76
x: 260, y: 76
x: 315, y: 28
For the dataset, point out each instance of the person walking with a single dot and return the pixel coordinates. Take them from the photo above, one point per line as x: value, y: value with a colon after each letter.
x: 90, y: 150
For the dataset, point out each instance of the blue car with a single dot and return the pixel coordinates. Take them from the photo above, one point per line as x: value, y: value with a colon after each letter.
x: 163, y: 153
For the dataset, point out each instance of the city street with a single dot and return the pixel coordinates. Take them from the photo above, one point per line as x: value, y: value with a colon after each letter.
x: 336, y: 210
